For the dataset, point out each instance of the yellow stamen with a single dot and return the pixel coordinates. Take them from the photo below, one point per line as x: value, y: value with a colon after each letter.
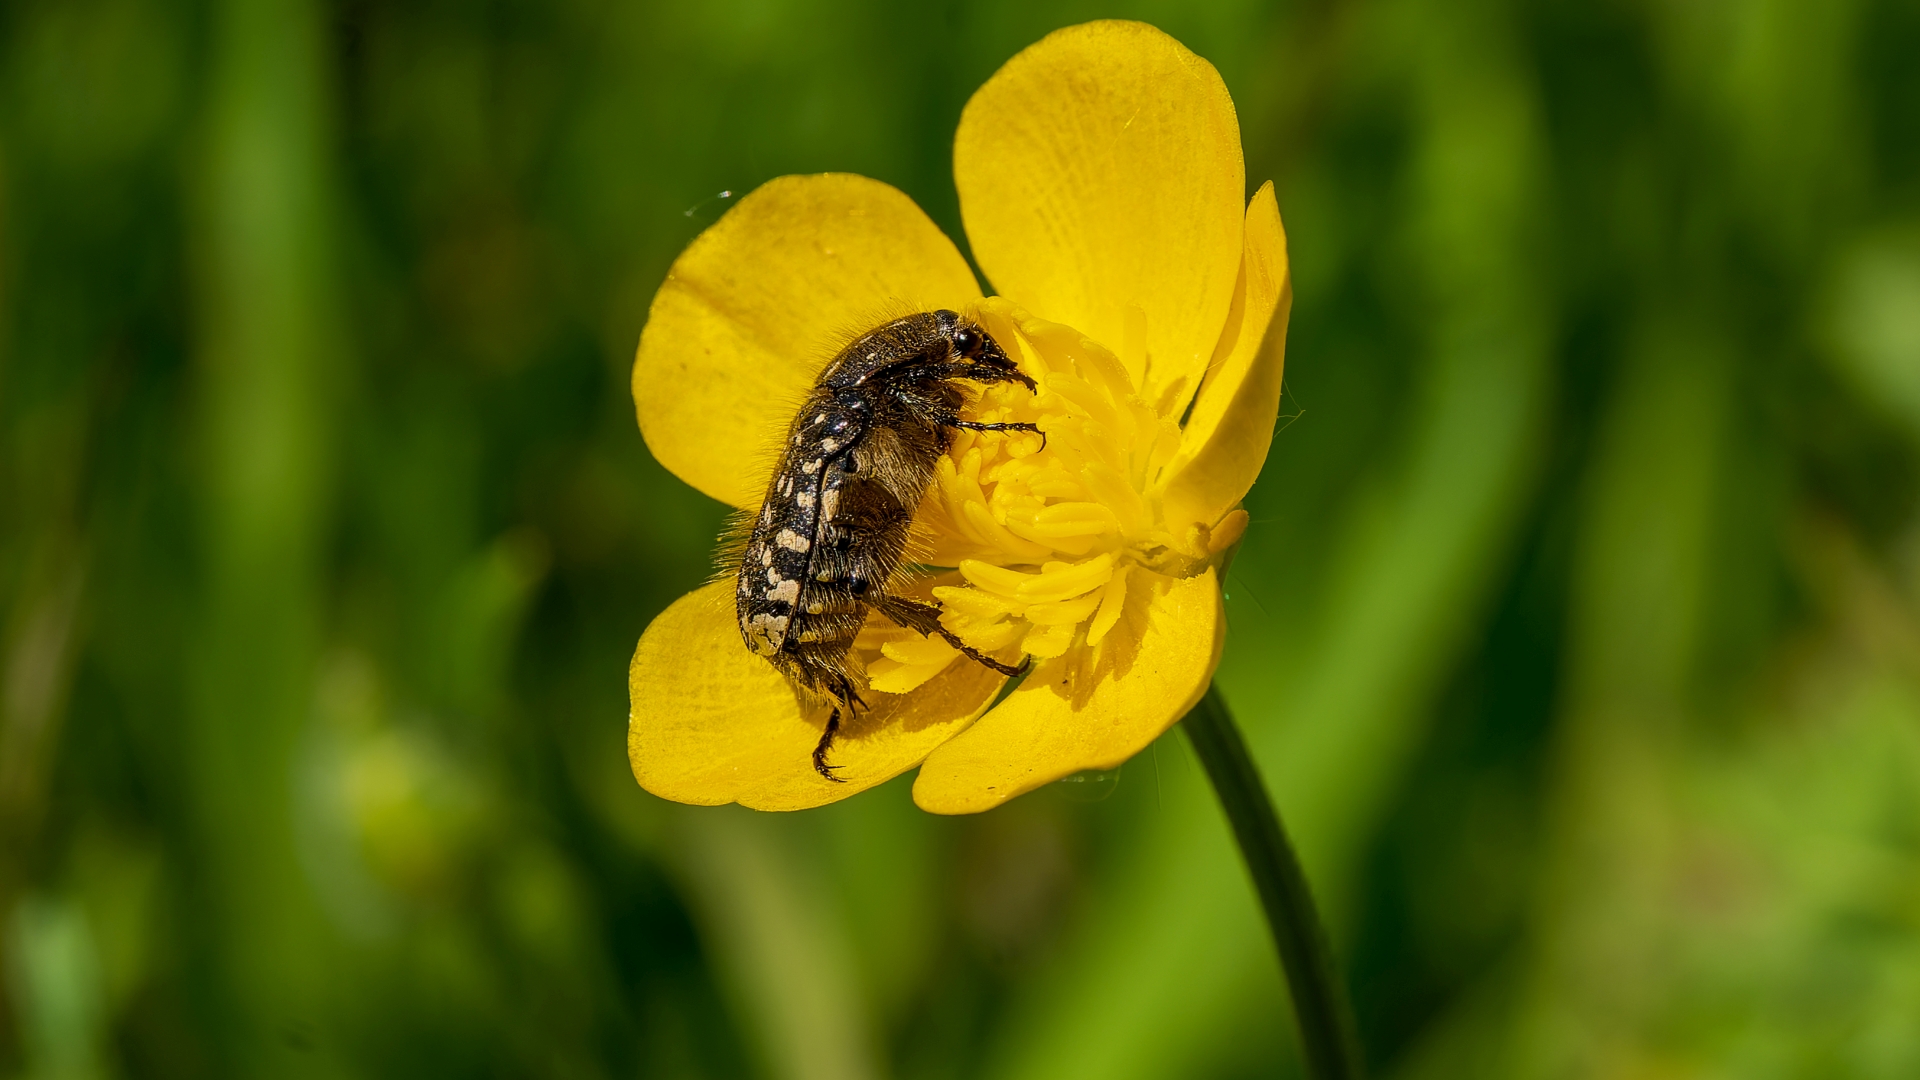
x: 919, y: 650
x: 1046, y: 533
x: 1061, y: 581
x: 1113, y: 599
x: 994, y: 578
x: 972, y: 603
x: 992, y: 637
x: 1048, y: 642
x: 1055, y: 612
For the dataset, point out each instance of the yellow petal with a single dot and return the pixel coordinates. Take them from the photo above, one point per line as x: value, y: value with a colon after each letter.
x: 712, y: 723
x: 1089, y: 709
x: 1101, y: 180
x: 757, y: 305
x: 1225, y: 441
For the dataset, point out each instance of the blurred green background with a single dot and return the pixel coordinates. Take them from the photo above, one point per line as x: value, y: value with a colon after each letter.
x: 1578, y: 630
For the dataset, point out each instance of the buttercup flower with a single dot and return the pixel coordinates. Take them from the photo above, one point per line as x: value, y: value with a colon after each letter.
x: 1101, y: 184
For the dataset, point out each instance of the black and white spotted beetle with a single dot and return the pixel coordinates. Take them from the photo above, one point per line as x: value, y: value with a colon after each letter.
x: 832, y: 532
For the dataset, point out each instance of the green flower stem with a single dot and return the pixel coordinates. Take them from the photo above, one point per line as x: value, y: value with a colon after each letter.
x: 1319, y: 1003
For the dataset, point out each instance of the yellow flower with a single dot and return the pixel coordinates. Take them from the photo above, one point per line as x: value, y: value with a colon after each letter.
x: 1101, y: 184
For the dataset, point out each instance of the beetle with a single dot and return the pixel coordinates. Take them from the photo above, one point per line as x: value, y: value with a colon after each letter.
x: 831, y: 536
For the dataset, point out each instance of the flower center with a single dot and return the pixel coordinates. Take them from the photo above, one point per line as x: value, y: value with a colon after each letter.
x: 1045, y: 532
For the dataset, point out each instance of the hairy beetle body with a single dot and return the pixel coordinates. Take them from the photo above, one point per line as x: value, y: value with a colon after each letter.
x: 832, y: 530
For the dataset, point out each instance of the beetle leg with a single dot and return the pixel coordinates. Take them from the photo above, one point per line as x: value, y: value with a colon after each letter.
x: 986, y: 373
x: 925, y: 618
x: 975, y: 425
x: 845, y: 697
x: 826, y: 742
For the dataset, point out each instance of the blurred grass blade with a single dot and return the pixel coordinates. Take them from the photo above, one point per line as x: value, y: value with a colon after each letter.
x: 53, y: 971
x: 266, y: 339
x: 770, y: 928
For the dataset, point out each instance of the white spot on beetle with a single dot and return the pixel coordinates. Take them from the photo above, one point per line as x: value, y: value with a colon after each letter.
x: 793, y: 541
x: 805, y: 499
x: 766, y: 633
x: 810, y: 468
x: 829, y: 445
x: 785, y: 591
